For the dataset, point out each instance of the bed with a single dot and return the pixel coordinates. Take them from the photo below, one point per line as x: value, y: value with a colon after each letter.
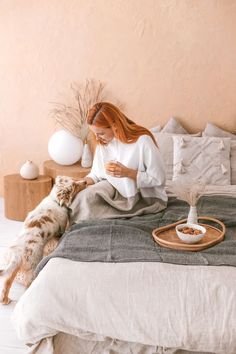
x: 104, y: 292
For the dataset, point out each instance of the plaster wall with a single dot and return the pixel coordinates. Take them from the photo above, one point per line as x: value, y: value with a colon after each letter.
x: 159, y: 58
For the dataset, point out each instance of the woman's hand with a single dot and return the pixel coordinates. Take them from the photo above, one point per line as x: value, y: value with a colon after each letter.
x: 116, y: 169
x: 87, y: 180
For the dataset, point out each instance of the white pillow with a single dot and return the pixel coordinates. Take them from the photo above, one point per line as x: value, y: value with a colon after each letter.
x: 205, y: 159
x: 212, y: 130
x: 165, y: 144
x: 155, y: 128
x: 173, y: 126
x: 233, y: 161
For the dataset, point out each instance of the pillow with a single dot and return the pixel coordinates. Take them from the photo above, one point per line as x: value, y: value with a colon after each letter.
x: 212, y: 130
x: 206, y: 159
x: 172, y: 126
x: 233, y: 161
x: 155, y: 129
x: 165, y: 144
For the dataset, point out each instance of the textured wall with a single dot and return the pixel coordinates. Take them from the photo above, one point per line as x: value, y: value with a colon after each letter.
x: 158, y: 57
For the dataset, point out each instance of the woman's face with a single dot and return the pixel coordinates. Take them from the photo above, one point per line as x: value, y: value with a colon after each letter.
x: 105, y: 135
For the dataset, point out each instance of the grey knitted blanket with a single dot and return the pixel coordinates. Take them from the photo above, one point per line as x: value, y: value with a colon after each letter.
x: 130, y: 240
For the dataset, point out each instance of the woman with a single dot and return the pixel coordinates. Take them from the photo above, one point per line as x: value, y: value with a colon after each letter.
x: 127, y: 177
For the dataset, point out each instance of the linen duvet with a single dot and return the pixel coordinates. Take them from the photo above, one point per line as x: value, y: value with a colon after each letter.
x: 140, y: 298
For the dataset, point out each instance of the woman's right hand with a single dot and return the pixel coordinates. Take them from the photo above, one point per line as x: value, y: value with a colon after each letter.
x: 89, y: 181
x: 118, y: 170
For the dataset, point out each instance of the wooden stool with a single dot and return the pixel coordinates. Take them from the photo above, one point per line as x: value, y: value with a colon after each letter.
x: 52, y: 169
x: 23, y: 195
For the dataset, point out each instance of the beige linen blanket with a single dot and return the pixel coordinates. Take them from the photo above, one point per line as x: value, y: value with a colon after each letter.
x: 157, y: 304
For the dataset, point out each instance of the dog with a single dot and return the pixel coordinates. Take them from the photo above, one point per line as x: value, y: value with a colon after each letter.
x: 49, y: 219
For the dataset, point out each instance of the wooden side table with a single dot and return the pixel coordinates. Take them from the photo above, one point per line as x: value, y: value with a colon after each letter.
x: 23, y: 195
x: 52, y: 169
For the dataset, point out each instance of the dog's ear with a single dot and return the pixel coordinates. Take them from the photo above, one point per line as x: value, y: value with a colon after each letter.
x: 80, y: 183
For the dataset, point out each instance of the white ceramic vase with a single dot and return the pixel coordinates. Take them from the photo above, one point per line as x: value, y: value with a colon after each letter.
x: 29, y: 170
x: 87, y: 157
x: 192, y: 215
x: 65, y: 148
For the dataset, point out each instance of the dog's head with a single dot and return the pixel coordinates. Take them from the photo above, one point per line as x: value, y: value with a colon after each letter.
x: 65, y: 189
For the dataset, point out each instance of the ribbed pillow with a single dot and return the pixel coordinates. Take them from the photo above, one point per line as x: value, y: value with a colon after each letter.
x: 213, y: 130
x: 173, y: 126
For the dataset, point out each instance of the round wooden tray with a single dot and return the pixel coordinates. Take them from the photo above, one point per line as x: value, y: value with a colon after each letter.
x: 166, y: 236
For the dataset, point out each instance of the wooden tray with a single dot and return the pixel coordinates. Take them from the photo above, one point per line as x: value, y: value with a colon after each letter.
x: 166, y: 236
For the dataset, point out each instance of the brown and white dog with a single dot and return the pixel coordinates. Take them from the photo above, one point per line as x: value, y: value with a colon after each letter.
x: 47, y: 220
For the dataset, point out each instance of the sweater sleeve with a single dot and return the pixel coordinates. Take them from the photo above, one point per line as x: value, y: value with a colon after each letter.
x: 151, y: 172
x: 97, y: 167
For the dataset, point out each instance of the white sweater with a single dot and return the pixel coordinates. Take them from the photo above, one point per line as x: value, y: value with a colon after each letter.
x: 142, y: 156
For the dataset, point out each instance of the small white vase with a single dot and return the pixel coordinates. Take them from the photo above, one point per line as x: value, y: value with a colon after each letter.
x: 192, y: 215
x: 87, y: 157
x: 29, y: 170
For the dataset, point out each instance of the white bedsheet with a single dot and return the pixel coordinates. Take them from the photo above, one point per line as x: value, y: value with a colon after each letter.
x: 188, y: 307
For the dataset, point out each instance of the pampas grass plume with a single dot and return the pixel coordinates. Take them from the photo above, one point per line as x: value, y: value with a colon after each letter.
x: 190, y: 191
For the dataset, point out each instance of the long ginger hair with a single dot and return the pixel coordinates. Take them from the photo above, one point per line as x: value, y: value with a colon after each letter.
x: 106, y: 115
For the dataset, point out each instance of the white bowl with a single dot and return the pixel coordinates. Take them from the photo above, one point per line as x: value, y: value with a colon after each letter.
x: 188, y: 238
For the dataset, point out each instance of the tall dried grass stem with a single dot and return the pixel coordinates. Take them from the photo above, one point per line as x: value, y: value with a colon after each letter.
x: 73, y: 117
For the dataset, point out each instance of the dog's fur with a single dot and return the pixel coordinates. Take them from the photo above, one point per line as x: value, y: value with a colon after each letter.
x: 47, y: 220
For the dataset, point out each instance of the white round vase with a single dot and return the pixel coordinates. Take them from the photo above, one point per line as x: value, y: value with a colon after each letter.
x: 65, y: 148
x: 29, y: 170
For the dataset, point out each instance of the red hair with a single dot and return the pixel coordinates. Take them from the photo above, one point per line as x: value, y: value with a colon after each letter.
x: 106, y: 115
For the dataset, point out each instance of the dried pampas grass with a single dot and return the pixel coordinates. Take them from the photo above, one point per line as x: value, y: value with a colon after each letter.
x: 189, y: 191
x: 73, y: 118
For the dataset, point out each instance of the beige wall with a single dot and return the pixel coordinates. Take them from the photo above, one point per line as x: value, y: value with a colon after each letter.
x: 160, y: 58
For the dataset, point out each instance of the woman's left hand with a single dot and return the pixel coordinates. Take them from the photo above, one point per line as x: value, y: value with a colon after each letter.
x: 116, y: 169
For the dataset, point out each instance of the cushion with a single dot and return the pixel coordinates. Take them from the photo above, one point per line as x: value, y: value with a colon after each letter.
x: 165, y: 144
x: 205, y: 159
x: 233, y: 161
x: 173, y: 126
x: 212, y: 130
x: 155, y: 129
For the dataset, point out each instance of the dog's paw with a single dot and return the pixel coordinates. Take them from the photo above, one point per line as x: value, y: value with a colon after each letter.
x: 4, y: 300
